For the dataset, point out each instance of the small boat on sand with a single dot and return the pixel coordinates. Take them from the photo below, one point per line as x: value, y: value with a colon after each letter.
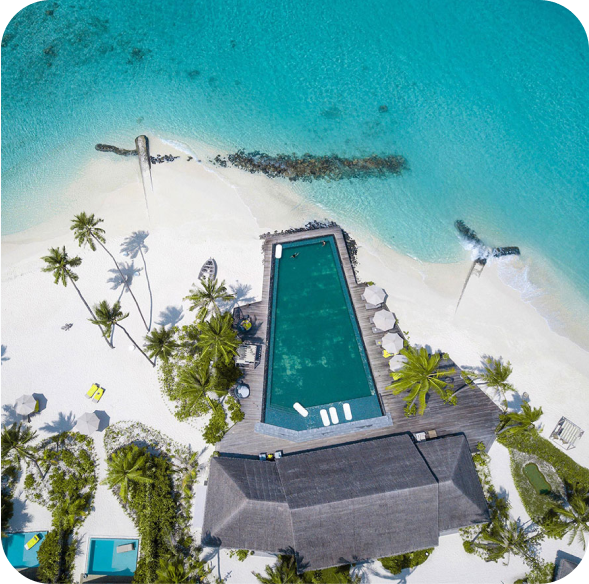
x: 208, y: 270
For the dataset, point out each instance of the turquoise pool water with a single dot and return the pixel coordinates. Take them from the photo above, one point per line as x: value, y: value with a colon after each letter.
x: 14, y: 549
x: 104, y: 559
x: 316, y: 355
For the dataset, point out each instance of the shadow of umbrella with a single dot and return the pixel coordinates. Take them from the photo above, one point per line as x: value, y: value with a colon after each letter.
x: 104, y: 420
x: 41, y: 400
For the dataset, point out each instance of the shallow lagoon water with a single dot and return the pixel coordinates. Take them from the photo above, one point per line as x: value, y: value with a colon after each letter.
x: 487, y: 101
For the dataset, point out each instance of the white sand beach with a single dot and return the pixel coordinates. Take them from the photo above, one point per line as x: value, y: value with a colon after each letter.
x: 199, y: 211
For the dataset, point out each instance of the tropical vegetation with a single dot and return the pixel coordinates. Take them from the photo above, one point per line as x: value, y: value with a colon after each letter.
x: 421, y: 374
x: 61, y: 265
x: 513, y: 423
x: 107, y: 317
x: 67, y: 491
x: 158, y: 478
x: 218, y: 339
x: 161, y: 343
x: 284, y: 571
x: 205, y: 297
x: 396, y: 564
x: 88, y: 233
x: 495, y: 375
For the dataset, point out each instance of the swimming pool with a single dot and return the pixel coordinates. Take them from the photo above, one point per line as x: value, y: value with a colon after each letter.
x: 104, y: 559
x: 316, y: 354
x: 14, y: 549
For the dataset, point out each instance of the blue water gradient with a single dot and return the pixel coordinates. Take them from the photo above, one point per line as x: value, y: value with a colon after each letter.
x: 488, y: 101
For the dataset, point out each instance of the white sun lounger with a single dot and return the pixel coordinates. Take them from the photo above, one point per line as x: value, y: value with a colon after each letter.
x: 300, y: 409
x: 347, y: 412
x: 278, y: 251
x: 324, y: 417
x: 333, y: 415
x: 127, y: 547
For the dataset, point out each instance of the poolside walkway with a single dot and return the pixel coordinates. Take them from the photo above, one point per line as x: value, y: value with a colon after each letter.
x: 475, y: 415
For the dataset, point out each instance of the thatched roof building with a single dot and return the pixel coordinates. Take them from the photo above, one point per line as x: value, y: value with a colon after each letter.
x: 345, y: 504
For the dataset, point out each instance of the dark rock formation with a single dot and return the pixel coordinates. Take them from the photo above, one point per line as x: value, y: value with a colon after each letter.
x: 115, y: 150
x: 383, y: 109
x: 309, y: 167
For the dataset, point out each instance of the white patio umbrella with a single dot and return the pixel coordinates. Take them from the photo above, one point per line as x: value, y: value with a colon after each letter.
x: 374, y: 294
x: 392, y: 342
x: 397, y: 362
x: 88, y: 423
x: 25, y: 405
x: 384, y: 320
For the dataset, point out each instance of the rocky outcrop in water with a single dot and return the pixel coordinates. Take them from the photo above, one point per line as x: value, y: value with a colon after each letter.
x: 115, y: 150
x: 309, y: 167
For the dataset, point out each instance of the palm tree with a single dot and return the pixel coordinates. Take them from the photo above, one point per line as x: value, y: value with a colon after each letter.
x: 420, y: 374
x: 218, y: 339
x: 60, y: 265
x: 194, y: 385
x: 207, y: 295
x: 161, y: 343
x: 513, y: 423
x: 133, y: 245
x: 495, y: 374
x: 284, y: 571
x: 569, y: 517
x: 126, y: 466
x: 87, y: 232
x: 173, y: 570
x: 505, y: 538
x: 110, y: 316
x: 16, y: 442
x: 187, y: 468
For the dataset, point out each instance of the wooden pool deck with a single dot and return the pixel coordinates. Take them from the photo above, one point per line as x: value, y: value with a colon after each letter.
x: 475, y: 415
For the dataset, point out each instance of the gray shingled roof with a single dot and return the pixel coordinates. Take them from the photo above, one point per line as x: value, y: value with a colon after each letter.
x: 461, y: 499
x: 344, y: 504
x: 564, y: 568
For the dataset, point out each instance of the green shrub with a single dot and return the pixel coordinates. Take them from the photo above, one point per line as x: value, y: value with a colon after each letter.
x: 337, y: 575
x: 29, y: 481
x: 7, y: 509
x: 234, y: 408
x: 226, y: 375
x: 217, y: 426
x: 49, y: 557
x: 241, y: 555
x: 396, y: 564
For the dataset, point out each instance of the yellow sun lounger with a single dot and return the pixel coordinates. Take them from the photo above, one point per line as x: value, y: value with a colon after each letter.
x: 32, y: 542
x: 92, y: 390
x: 98, y: 394
x: 386, y: 354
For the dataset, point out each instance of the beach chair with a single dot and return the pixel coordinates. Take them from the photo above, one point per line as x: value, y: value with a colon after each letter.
x: 32, y: 542
x: 126, y: 547
x: 98, y: 394
x: 333, y: 415
x: 300, y: 409
x: 324, y: 417
x: 386, y: 354
x: 90, y: 393
x: 347, y: 412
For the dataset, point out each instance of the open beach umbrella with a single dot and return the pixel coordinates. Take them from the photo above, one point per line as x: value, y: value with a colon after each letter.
x: 374, y: 294
x: 392, y: 342
x: 88, y: 423
x: 25, y: 405
x: 384, y: 320
x: 397, y: 362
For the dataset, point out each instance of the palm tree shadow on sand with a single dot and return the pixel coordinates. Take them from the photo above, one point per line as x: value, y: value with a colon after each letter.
x: 241, y: 293
x: 133, y: 246
x: 170, y: 316
x: 64, y: 423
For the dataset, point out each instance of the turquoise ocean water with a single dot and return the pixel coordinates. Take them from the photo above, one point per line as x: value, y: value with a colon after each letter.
x: 488, y: 101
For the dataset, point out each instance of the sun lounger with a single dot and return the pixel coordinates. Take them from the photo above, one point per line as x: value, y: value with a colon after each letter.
x: 419, y: 436
x: 92, y: 390
x: 347, y: 412
x: 300, y: 409
x: 324, y: 417
x: 372, y: 306
x: 333, y: 415
x: 376, y: 331
x: 386, y: 354
x: 32, y: 542
x: 98, y: 394
x: 127, y: 547
x: 278, y: 251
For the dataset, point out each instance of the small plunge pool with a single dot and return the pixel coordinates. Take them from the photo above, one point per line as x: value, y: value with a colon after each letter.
x: 535, y: 476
